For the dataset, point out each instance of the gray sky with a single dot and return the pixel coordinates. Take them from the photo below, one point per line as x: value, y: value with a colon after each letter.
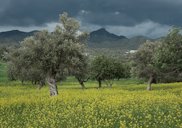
x: 151, y: 18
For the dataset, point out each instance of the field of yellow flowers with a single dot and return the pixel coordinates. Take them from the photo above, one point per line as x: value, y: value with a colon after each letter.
x: 123, y: 106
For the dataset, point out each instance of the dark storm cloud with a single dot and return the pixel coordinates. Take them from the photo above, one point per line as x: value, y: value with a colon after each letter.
x: 132, y: 12
x: 98, y: 12
x: 35, y: 12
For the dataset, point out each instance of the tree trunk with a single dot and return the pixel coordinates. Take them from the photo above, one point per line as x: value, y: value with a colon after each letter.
x: 151, y: 79
x: 52, y: 86
x: 100, y: 83
x: 82, y: 84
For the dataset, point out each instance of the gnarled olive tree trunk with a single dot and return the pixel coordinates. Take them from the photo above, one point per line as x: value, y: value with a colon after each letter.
x: 82, y: 81
x: 52, y: 86
x: 152, y: 79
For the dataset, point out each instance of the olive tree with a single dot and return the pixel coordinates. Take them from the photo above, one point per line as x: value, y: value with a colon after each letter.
x: 143, y: 63
x: 55, y: 54
x: 105, y: 69
x: 82, y: 71
x: 168, y: 57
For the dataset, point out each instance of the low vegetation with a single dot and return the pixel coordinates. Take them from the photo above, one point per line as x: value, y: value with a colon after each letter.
x: 126, y: 105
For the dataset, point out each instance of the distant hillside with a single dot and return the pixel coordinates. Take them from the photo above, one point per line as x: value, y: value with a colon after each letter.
x: 98, y: 39
x: 135, y: 42
x: 14, y: 36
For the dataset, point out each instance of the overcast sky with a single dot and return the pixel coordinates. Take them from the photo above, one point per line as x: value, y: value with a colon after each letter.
x: 152, y: 18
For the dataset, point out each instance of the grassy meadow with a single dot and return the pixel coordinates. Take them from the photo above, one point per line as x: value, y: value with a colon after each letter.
x: 126, y: 105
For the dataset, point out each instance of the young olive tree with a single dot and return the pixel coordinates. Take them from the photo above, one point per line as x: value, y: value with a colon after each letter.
x: 104, y: 69
x: 53, y: 54
x: 82, y: 71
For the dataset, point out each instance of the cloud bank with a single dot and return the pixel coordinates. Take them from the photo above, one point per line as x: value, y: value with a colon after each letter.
x: 128, y: 17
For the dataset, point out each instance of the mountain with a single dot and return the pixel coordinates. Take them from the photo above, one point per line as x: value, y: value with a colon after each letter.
x: 102, y: 35
x: 14, y: 36
x: 100, y: 38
